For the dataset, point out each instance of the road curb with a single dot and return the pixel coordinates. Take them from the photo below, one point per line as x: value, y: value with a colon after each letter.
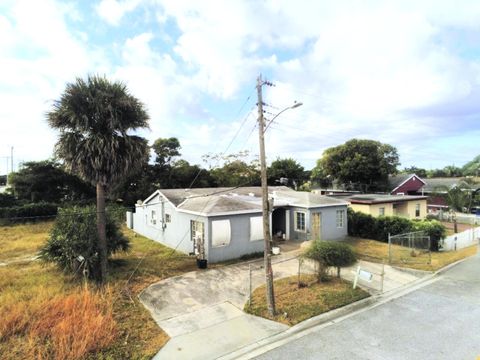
x: 330, y: 318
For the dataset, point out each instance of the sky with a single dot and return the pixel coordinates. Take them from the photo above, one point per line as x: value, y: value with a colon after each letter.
x: 403, y: 72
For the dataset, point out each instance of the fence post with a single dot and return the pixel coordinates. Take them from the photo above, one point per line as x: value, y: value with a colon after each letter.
x: 382, y: 276
x: 250, y: 285
x: 389, y: 249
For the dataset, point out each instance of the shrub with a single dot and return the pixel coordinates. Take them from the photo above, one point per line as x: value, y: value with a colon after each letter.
x: 434, y: 229
x: 392, y: 225
x: 330, y: 253
x: 24, y: 212
x: 361, y: 225
x: 7, y: 200
x: 367, y: 226
x: 73, y: 242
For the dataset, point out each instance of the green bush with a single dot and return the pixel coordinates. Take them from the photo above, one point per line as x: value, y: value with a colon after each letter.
x: 7, y: 200
x: 330, y: 253
x: 361, y: 225
x: 27, y: 212
x: 434, y: 229
x: 369, y: 227
x: 73, y: 242
x: 392, y: 225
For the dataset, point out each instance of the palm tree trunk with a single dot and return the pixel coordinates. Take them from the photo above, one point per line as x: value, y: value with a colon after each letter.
x: 102, y: 234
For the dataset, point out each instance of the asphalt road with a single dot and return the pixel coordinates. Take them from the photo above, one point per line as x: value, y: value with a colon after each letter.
x: 438, y: 321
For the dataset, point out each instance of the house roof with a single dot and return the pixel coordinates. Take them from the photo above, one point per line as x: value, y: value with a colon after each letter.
x: 436, y: 184
x: 369, y: 199
x: 216, y: 201
x: 395, y: 181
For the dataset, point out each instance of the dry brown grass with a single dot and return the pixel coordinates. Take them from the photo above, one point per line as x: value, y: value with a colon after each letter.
x: 45, y: 314
x: 296, y: 304
x: 376, y: 251
x: 60, y: 327
x: 22, y: 241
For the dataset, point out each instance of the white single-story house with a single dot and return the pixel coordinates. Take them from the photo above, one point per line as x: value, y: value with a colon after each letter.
x: 227, y: 223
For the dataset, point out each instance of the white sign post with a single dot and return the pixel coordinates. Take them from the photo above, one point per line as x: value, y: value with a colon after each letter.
x: 362, y: 275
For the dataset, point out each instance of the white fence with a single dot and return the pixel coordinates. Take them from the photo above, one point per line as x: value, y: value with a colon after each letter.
x: 462, y: 240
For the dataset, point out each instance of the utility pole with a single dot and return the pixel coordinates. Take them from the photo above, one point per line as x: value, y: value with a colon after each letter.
x: 267, y: 255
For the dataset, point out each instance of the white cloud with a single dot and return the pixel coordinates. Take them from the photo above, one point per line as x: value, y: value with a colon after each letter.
x: 113, y: 11
x: 49, y: 57
x: 380, y: 70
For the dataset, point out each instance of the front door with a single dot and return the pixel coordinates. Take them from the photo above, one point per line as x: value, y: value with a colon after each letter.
x: 197, y: 231
x: 316, y: 226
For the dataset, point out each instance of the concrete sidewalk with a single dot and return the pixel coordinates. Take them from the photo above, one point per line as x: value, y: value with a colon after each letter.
x: 202, y: 310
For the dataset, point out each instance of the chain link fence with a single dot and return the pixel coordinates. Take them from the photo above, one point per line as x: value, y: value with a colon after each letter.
x: 409, y: 248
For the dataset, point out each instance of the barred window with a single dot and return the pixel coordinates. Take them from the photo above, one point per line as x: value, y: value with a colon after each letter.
x: 300, y: 221
x: 340, y: 218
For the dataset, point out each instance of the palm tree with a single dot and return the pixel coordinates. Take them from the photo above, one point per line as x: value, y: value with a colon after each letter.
x: 95, y: 118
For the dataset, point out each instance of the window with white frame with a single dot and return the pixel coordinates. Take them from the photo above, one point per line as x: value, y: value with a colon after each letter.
x: 340, y: 218
x: 154, y: 217
x: 221, y: 233
x: 299, y: 221
x: 417, y: 210
x: 381, y: 211
x: 256, y: 228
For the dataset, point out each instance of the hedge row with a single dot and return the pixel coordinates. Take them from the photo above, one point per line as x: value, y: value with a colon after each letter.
x: 26, y: 211
x: 378, y: 228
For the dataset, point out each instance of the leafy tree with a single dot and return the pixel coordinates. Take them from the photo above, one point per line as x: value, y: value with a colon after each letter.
x: 330, y: 253
x: 472, y: 168
x: 415, y: 170
x: 363, y: 163
x: 183, y: 175
x: 47, y: 181
x: 166, y: 150
x: 95, y: 118
x: 319, y: 176
x: 452, y: 171
x: 234, y: 171
x: 436, y: 173
x: 458, y: 198
x: 136, y: 186
x: 73, y: 243
x: 447, y: 171
x: 286, y: 168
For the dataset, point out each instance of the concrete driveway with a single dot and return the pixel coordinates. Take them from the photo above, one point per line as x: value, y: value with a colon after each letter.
x: 202, y: 310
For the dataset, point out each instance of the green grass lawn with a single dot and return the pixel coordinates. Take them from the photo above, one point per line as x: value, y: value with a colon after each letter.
x: 294, y: 304
x: 29, y: 287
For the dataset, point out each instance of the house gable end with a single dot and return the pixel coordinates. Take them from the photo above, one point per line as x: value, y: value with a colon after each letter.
x: 411, y: 184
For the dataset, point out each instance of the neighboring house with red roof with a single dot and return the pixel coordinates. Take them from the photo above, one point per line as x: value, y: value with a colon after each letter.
x: 406, y: 184
x: 434, y: 188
